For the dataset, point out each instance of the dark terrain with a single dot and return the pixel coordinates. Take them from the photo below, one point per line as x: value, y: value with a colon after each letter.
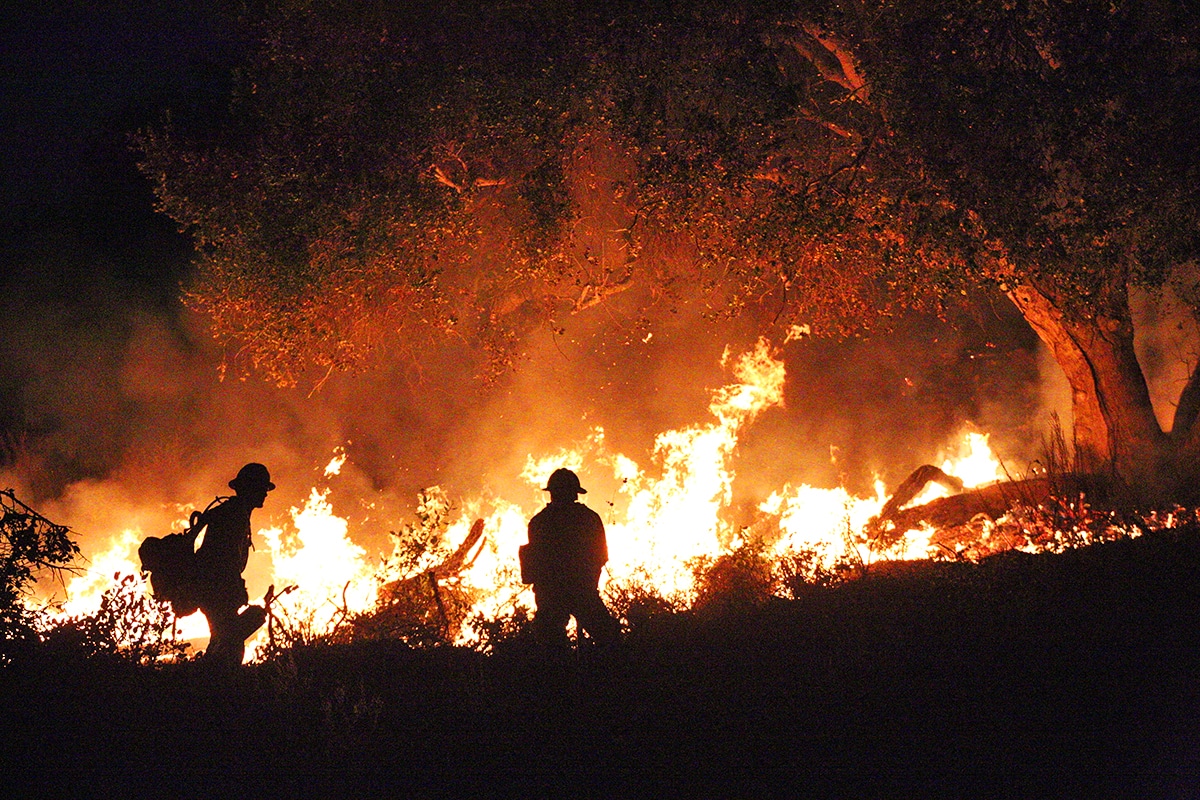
x: 1070, y: 675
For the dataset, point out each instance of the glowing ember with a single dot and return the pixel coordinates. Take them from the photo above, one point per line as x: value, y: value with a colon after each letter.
x: 334, y: 467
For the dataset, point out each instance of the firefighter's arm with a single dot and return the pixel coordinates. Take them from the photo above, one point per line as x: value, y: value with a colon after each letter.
x: 600, y: 543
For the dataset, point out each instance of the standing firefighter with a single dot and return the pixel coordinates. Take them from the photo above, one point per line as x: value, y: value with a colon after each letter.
x: 566, y: 551
x: 220, y: 560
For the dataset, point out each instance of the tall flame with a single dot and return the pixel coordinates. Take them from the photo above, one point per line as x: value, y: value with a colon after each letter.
x: 667, y: 514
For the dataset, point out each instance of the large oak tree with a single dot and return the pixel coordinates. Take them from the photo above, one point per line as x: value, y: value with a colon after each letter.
x: 1067, y: 136
x: 477, y: 169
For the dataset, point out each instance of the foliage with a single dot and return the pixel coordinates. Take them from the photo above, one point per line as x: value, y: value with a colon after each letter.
x: 637, y: 604
x: 777, y: 177
x: 869, y: 156
x: 129, y: 624
x: 1064, y: 131
x: 419, y: 545
x: 363, y: 149
x: 742, y: 578
x: 30, y: 545
x: 417, y: 603
x: 801, y: 572
x: 427, y: 167
x: 288, y: 629
x: 502, y: 630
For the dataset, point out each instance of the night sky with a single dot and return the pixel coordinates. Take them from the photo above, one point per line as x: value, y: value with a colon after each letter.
x: 84, y: 255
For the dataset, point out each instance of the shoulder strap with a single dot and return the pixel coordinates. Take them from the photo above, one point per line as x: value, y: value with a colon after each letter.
x: 217, y: 501
x: 197, y: 519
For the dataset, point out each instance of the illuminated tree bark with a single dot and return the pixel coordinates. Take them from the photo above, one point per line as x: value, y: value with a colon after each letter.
x: 1114, y: 420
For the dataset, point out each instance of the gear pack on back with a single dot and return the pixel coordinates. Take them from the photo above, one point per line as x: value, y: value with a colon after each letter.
x: 171, y: 562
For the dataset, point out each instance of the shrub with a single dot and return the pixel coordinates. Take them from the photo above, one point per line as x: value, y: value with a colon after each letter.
x: 490, y: 634
x: 801, y: 571
x: 743, y: 578
x: 30, y: 545
x: 636, y: 603
x: 129, y: 624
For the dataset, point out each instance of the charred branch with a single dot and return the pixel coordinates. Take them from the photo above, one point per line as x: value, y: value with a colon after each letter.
x: 420, y: 607
x: 913, y: 485
x: 29, y: 542
x: 459, y: 561
x: 596, y: 293
x: 992, y: 501
x: 459, y: 186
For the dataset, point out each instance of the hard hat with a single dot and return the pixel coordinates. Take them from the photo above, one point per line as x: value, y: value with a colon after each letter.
x: 252, y: 476
x: 563, y: 481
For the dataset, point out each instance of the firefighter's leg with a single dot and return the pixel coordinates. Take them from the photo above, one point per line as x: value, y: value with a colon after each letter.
x: 226, y: 647
x: 593, y: 616
x: 550, y: 620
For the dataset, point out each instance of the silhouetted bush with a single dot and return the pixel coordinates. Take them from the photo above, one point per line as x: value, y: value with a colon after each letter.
x: 129, y: 624
x: 636, y: 603
x: 30, y: 544
x: 743, y: 578
x: 490, y: 634
x: 800, y: 572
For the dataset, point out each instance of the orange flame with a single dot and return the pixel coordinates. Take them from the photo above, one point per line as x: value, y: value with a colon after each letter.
x: 668, y: 514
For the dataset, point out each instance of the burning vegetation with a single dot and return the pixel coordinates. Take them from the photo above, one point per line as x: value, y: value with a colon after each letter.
x: 453, y: 247
x: 451, y: 576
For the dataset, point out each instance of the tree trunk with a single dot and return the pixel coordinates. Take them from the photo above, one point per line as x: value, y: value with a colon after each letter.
x: 1114, y: 423
x: 1185, y: 435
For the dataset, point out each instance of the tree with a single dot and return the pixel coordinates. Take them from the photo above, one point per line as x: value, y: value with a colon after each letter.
x: 1066, y: 136
x: 29, y: 545
x: 482, y: 169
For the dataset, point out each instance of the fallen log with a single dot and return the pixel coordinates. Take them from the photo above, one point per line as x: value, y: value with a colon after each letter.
x: 992, y: 501
x: 914, y: 484
x: 427, y: 605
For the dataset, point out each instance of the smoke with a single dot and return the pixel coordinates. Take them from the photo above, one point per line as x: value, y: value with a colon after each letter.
x: 1167, y: 342
x: 127, y: 424
x: 114, y: 416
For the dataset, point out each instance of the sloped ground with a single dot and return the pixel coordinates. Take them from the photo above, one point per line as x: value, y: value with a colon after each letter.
x: 1071, y: 675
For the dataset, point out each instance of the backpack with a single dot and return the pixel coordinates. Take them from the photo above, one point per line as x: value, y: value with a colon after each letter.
x: 532, y: 569
x: 171, y: 562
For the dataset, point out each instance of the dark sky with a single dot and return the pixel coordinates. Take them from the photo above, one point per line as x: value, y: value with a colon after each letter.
x: 82, y: 251
x: 77, y: 79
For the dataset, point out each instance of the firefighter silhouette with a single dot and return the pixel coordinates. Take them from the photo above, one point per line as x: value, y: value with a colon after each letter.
x: 567, y: 550
x: 220, y: 561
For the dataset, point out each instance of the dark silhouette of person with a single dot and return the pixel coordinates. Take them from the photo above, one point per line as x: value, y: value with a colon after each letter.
x: 569, y: 548
x: 220, y: 561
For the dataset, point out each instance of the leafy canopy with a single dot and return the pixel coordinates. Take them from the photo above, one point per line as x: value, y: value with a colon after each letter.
x: 485, y: 168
